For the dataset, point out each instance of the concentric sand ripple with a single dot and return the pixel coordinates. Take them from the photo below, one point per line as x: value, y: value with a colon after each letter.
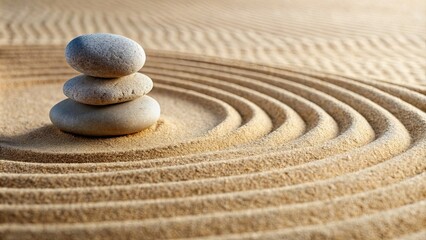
x: 242, y: 151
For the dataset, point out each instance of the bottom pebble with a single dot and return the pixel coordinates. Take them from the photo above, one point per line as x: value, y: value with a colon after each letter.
x: 110, y: 120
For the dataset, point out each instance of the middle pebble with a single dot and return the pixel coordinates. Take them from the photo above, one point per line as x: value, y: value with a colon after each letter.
x: 104, y: 91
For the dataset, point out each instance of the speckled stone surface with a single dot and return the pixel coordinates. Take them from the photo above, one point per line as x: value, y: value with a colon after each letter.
x: 103, y: 91
x: 111, y: 120
x: 105, y: 55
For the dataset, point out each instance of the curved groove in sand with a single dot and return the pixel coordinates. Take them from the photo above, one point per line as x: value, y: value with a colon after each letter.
x: 254, y: 148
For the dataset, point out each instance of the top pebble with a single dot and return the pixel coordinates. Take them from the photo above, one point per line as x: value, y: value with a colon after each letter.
x: 105, y: 55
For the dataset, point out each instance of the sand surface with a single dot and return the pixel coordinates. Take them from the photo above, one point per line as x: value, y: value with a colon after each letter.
x: 308, y: 124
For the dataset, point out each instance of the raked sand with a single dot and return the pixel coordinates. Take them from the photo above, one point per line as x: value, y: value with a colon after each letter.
x: 244, y: 149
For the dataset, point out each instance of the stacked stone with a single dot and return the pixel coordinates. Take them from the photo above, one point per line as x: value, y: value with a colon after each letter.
x: 109, y: 99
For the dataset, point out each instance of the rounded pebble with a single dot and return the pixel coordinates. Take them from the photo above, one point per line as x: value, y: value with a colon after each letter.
x: 110, y: 120
x: 103, y: 91
x: 105, y: 55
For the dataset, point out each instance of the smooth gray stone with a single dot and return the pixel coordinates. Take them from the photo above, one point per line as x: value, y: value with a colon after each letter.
x: 109, y: 120
x: 103, y: 91
x: 105, y: 55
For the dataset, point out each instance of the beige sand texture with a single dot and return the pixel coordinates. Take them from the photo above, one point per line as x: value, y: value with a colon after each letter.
x: 280, y: 120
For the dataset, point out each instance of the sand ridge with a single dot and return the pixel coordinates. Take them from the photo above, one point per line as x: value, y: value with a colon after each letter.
x: 384, y: 39
x: 272, y: 144
x: 257, y: 139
